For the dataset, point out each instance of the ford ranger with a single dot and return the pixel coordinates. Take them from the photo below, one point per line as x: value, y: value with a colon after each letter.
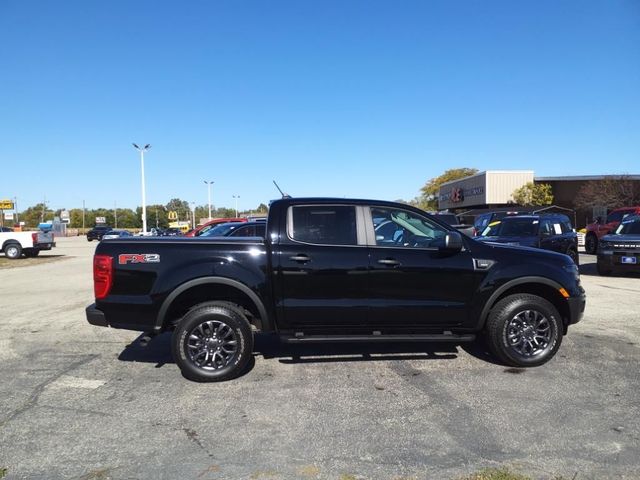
x: 335, y: 270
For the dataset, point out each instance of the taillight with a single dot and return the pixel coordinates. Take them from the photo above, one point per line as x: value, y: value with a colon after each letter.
x: 34, y: 238
x: 102, y: 275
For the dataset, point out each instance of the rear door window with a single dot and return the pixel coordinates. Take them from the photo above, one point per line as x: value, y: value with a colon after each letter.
x: 323, y: 225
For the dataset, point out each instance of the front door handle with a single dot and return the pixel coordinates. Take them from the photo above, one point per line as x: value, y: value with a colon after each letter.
x: 302, y: 258
x: 392, y: 262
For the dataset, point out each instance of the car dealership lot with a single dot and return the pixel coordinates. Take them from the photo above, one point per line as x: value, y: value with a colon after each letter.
x: 86, y: 402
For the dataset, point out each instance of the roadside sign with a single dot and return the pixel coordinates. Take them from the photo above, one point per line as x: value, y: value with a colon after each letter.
x: 101, y: 220
x: 172, y: 215
x: 8, y: 215
x: 6, y: 205
x: 64, y: 216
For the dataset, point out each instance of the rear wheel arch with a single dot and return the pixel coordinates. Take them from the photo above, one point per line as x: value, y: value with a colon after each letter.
x: 212, y: 289
x: 539, y: 286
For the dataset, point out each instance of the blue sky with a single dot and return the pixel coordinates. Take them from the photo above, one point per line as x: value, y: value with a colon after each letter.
x: 337, y: 98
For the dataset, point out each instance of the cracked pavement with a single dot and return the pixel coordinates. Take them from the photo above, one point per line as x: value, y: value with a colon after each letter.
x: 84, y: 402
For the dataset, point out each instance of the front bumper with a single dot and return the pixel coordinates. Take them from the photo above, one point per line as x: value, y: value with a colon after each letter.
x: 95, y: 316
x: 576, y: 308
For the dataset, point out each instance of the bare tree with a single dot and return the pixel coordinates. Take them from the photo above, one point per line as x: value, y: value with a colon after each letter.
x: 612, y: 192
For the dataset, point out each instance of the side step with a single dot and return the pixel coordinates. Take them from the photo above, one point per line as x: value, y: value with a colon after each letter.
x: 436, y: 337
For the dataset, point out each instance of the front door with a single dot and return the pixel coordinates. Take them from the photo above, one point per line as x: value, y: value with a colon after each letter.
x: 412, y: 282
x: 322, y: 269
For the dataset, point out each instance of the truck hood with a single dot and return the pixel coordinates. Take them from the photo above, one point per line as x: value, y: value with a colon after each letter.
x: 511, y: 241
x: 621, y: 238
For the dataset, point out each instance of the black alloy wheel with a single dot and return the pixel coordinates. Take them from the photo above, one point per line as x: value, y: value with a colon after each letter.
x: 591, y: 244
x: 524, y: 330
x: 213, y: 342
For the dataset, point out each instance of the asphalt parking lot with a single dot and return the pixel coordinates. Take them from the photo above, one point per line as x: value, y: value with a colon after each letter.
x: 84, y: 402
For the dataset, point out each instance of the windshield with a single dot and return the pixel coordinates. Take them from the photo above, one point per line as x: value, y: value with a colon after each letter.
x: 220, y: 230
x: 629, y: 226
x: 512, y: 227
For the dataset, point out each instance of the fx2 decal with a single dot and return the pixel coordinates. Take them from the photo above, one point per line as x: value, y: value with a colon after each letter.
x: 126, y: 258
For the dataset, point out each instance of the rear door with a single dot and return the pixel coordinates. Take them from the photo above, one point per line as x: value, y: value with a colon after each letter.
x: 322, y: 268
x: 412, y: 283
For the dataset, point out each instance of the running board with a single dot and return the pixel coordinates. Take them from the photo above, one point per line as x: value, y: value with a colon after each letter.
x: 441, y: 337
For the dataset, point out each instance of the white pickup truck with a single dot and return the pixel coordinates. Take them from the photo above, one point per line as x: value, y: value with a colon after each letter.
x: 15, y: 244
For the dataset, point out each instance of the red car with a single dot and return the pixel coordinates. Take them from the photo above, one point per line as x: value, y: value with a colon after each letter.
x: 196, y: 232
x: 599, y: 228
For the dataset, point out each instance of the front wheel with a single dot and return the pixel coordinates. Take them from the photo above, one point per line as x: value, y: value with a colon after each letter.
x: 603, y: 271
x: 13, y: 251
x: 574, y: 256
x: 591, y: 244
x: 524, y: 330
x: 212, y: 343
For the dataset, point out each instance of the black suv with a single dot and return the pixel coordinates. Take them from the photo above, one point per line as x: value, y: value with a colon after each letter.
x: 620, y: 252
x: 551, y: 231
x: 97, y: 232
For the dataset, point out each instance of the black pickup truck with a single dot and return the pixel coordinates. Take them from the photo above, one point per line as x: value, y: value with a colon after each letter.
x: 335, y: 270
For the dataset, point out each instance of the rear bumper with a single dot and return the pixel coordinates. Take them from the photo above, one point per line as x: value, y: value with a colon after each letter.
x: 576, y: 308
x: 95, y: 316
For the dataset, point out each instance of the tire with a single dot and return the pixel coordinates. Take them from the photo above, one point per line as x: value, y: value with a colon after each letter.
x: 218, y: 331
x: 603, y: 271
x: 591, y: 244
x: 89, y: 239
x: 12, y: 251
x: 574, y: 256
x: 513, y: 319
x: 31, y: 252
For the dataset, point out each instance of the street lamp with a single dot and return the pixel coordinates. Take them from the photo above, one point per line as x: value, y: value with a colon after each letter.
x: 193, y: 214
x: 144, y: 199
x: 236, y: 197
x: 209, y: 190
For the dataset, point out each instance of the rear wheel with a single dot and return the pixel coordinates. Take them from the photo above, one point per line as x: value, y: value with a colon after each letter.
x: 524, y: 330
x: 13, y: 251
x: 31, y: 252
x: 213, y: 342
x: 591, y: 244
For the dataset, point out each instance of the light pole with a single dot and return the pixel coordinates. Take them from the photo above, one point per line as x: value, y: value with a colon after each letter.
x: 193, y: 214
x: 144, y: 199
x: 209, y: 190
x: 236, y: 197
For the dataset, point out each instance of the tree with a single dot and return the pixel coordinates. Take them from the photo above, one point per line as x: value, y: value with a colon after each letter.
x: 530, y: 194
x: 181, y: 207
x: 429, y: 196
x: 262, y: 208
x: 32, y: 216
x: 156, y: 216
x: 611, y: 192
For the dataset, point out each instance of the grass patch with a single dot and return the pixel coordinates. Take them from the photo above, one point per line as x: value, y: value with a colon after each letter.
x: 502, y: 473
x: 6, y: 263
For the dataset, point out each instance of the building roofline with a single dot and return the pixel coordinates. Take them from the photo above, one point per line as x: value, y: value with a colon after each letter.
x: 484, y: 173
x: 578, y: 178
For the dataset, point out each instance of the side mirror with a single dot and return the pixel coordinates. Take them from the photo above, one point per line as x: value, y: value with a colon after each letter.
x: 452, y: 242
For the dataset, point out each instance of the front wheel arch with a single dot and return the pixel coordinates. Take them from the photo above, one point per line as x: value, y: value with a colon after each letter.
x: 539, y: 286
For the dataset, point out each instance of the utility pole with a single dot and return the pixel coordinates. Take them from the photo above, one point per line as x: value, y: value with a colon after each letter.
x: 83, y: 209
x: 115, y: 212
x: 15, y: 207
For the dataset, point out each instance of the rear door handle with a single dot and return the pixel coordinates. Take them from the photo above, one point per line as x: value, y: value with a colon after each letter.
x: 302, y: 258
x: 392, y: 262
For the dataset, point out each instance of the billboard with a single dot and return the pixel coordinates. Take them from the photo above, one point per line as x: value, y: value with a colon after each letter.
x: 6, y: 205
